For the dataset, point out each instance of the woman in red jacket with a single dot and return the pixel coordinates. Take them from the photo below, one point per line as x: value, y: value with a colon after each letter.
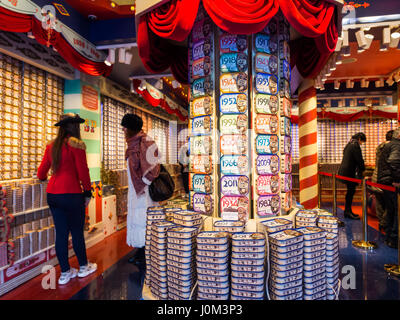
x: 68, y: 193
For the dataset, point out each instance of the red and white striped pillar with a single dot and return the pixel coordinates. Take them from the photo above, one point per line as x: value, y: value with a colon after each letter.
x: 308, y: 169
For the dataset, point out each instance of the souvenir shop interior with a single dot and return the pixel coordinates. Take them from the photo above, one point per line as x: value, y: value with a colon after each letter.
x: 256, y: 105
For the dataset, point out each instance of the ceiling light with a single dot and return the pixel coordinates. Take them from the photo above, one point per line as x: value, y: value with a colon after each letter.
x: 394, y: 39
x: 113, y: 4
x: 379, y: 83
x: 349, y: 84
x: 111, y: 57
x: 346, y: 51
x: 121, y: 55
x: 364, y: 83
x: 175, y: 84
x: 132, y: 8
x: 336, y: 84
x: 159, y: 84
x: 338, y: 44
x: 396, y: 77
x: 142, y: 86
x: 385, y: 39
x: 390, y: 81
x: 128, y: 57
x: 362, y: 42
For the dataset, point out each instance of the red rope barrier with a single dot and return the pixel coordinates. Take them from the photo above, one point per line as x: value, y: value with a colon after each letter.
x: 325, y: 174
x: 381, y: 186
x: 349, y: 179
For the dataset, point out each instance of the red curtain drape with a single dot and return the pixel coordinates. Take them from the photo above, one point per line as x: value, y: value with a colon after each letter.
x: 241, y: 16
x: 16, y: 22
x: 173, y: 20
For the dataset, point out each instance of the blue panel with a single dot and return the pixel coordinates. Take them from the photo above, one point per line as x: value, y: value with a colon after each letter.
x: 112, y: 31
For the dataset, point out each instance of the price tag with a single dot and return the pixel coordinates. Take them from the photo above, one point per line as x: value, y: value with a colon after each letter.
x: 200, y: 145
x: 286, y: 181
x: 287, y: 145
x: 202, y: 49
x: 286, y: 107
x: 267, y: 144
x: 266, y: 43
x: 201, y: 164
x: 268, y: 205
x: 201, y: 125
x: 232, y: 43
x: 202, y: 183
x: 233, y: 103
x: 201, y: 29
x: 268, y: 185
x: 266, y: 124
x: 266, y: 103
x: 285, y: 70
x: 266, y: 63
x: 233, y: 82
x: 266, y: 83
x: 202, y: 87
x: 203, y: 203
x: 284, y: 88
x: 201, y: 67
x: 234, y: 185
x: 267, y: 164
x: 233, y: 144
x: 201, y: 106
x: 286, y: 126
x: 233, y: 62
x: 233, y: 123
x: 286, y: 164
x: 231, y: 205
x: 234, y: 165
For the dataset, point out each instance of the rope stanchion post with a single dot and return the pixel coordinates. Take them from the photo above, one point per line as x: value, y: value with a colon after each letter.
x: 394, y: 269
x: 334, y: 193
x: 319, y: 191
x: 364, y: 244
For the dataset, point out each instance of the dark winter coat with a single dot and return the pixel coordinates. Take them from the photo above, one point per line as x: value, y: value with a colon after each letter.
x: 389, y: 163
x: 352, y: 165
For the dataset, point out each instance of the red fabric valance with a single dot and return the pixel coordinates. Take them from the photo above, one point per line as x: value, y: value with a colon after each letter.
x: 17, y: 22
x: 314, y: 19
x: 241, y: 16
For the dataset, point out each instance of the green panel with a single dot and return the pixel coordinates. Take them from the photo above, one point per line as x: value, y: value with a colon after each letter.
x: 92, y: 146
x: 94, y: 174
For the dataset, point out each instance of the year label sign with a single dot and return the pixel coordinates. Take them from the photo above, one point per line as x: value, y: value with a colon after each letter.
x: 232, y: 43
x: 201, y: 106
x: 201, y: 125
x: 233, y: 103
x: 200, y: 145
x: 235, y: 206
x: 202, y: 183
x: 267, y: 144
x: 267, y: 164
x: 266, y: 83
x: 266, y: 63
x: 233, y: 123
x: 233, y: 82
x: 201, y: 164
x: 268, y: 185
x: 266, y: 124
x: 233, y: 62
x: 234, y: 165
x: 233, y: 144
x: 201, y: 49
x: 202, y: 87
x: 201, y: 67
x: 266, y: 103
x: 266, y: 43
x: 202, y: 203
x: 234, y: 185
x: 268, y: 205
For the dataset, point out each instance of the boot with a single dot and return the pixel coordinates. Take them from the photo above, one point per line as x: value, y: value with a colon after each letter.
x: 350, y: 215
x: 138, y: 256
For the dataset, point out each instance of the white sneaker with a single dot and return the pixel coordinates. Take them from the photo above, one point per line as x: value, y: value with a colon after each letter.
x: 66, y: 276
x: 86, y: 270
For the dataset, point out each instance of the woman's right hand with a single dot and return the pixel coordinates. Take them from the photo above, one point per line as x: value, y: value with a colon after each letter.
x: 87, y: 200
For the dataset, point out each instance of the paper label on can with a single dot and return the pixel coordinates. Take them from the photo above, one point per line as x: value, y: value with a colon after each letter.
x: 233, y: 123
x: 202, y: 125
x: 202, y: 203
x: 266, y: 83
x: 233, y: 62
x: 234, y: 185
x: 266, y: 124
x: 233, y: 82
x: 201, y: 106
x: 202, y: 87
x: 268, y: 205
x: 266, y: 63
x: 266, y: 43
x: 268, y: 184
x: 202, y: 49
x: 233, y: 144
x: 234, y: 164
x: 267, y: 164
x: 267, y: 144
x: 233, y: 103
x: 200, y: 145
x: 231, y: 205
x: 201, y: 67
x: 266, y: 103
x: 232, y: 43
x: 201, y: 164
x: 202, y: 183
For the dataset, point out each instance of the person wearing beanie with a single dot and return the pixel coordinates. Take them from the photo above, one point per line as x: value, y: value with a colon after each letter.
x: 352, y: 166
x: 68, y: 193
x: 143, y: 167
x: 389, y: 174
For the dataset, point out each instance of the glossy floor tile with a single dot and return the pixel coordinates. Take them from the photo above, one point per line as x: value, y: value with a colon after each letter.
x: 123, y: 281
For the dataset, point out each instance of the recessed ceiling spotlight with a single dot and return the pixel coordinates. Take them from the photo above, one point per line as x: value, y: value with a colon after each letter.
x: 364, y: 83
x: 336, y: 84
x: 349, y: 84
x: 379, y: 83
x: 396, y: 77
x: 362, y: 42
x: 111, y: 57
x: 390, y: 81
x: 394, y: 39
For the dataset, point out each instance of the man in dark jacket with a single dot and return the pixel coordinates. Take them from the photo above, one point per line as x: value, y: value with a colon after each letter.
x: 352, y: 166
x: 389, y: 174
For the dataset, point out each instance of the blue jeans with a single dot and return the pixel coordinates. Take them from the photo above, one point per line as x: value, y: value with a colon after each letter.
x: 68, y: 212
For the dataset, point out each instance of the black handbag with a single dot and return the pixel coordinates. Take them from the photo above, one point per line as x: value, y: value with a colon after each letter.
x: 162, y: 188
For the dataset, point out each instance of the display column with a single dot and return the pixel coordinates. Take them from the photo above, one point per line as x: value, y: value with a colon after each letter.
x: 308, y: 153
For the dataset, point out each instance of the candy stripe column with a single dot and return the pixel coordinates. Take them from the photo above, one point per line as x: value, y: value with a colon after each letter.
x: 308, y: 144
